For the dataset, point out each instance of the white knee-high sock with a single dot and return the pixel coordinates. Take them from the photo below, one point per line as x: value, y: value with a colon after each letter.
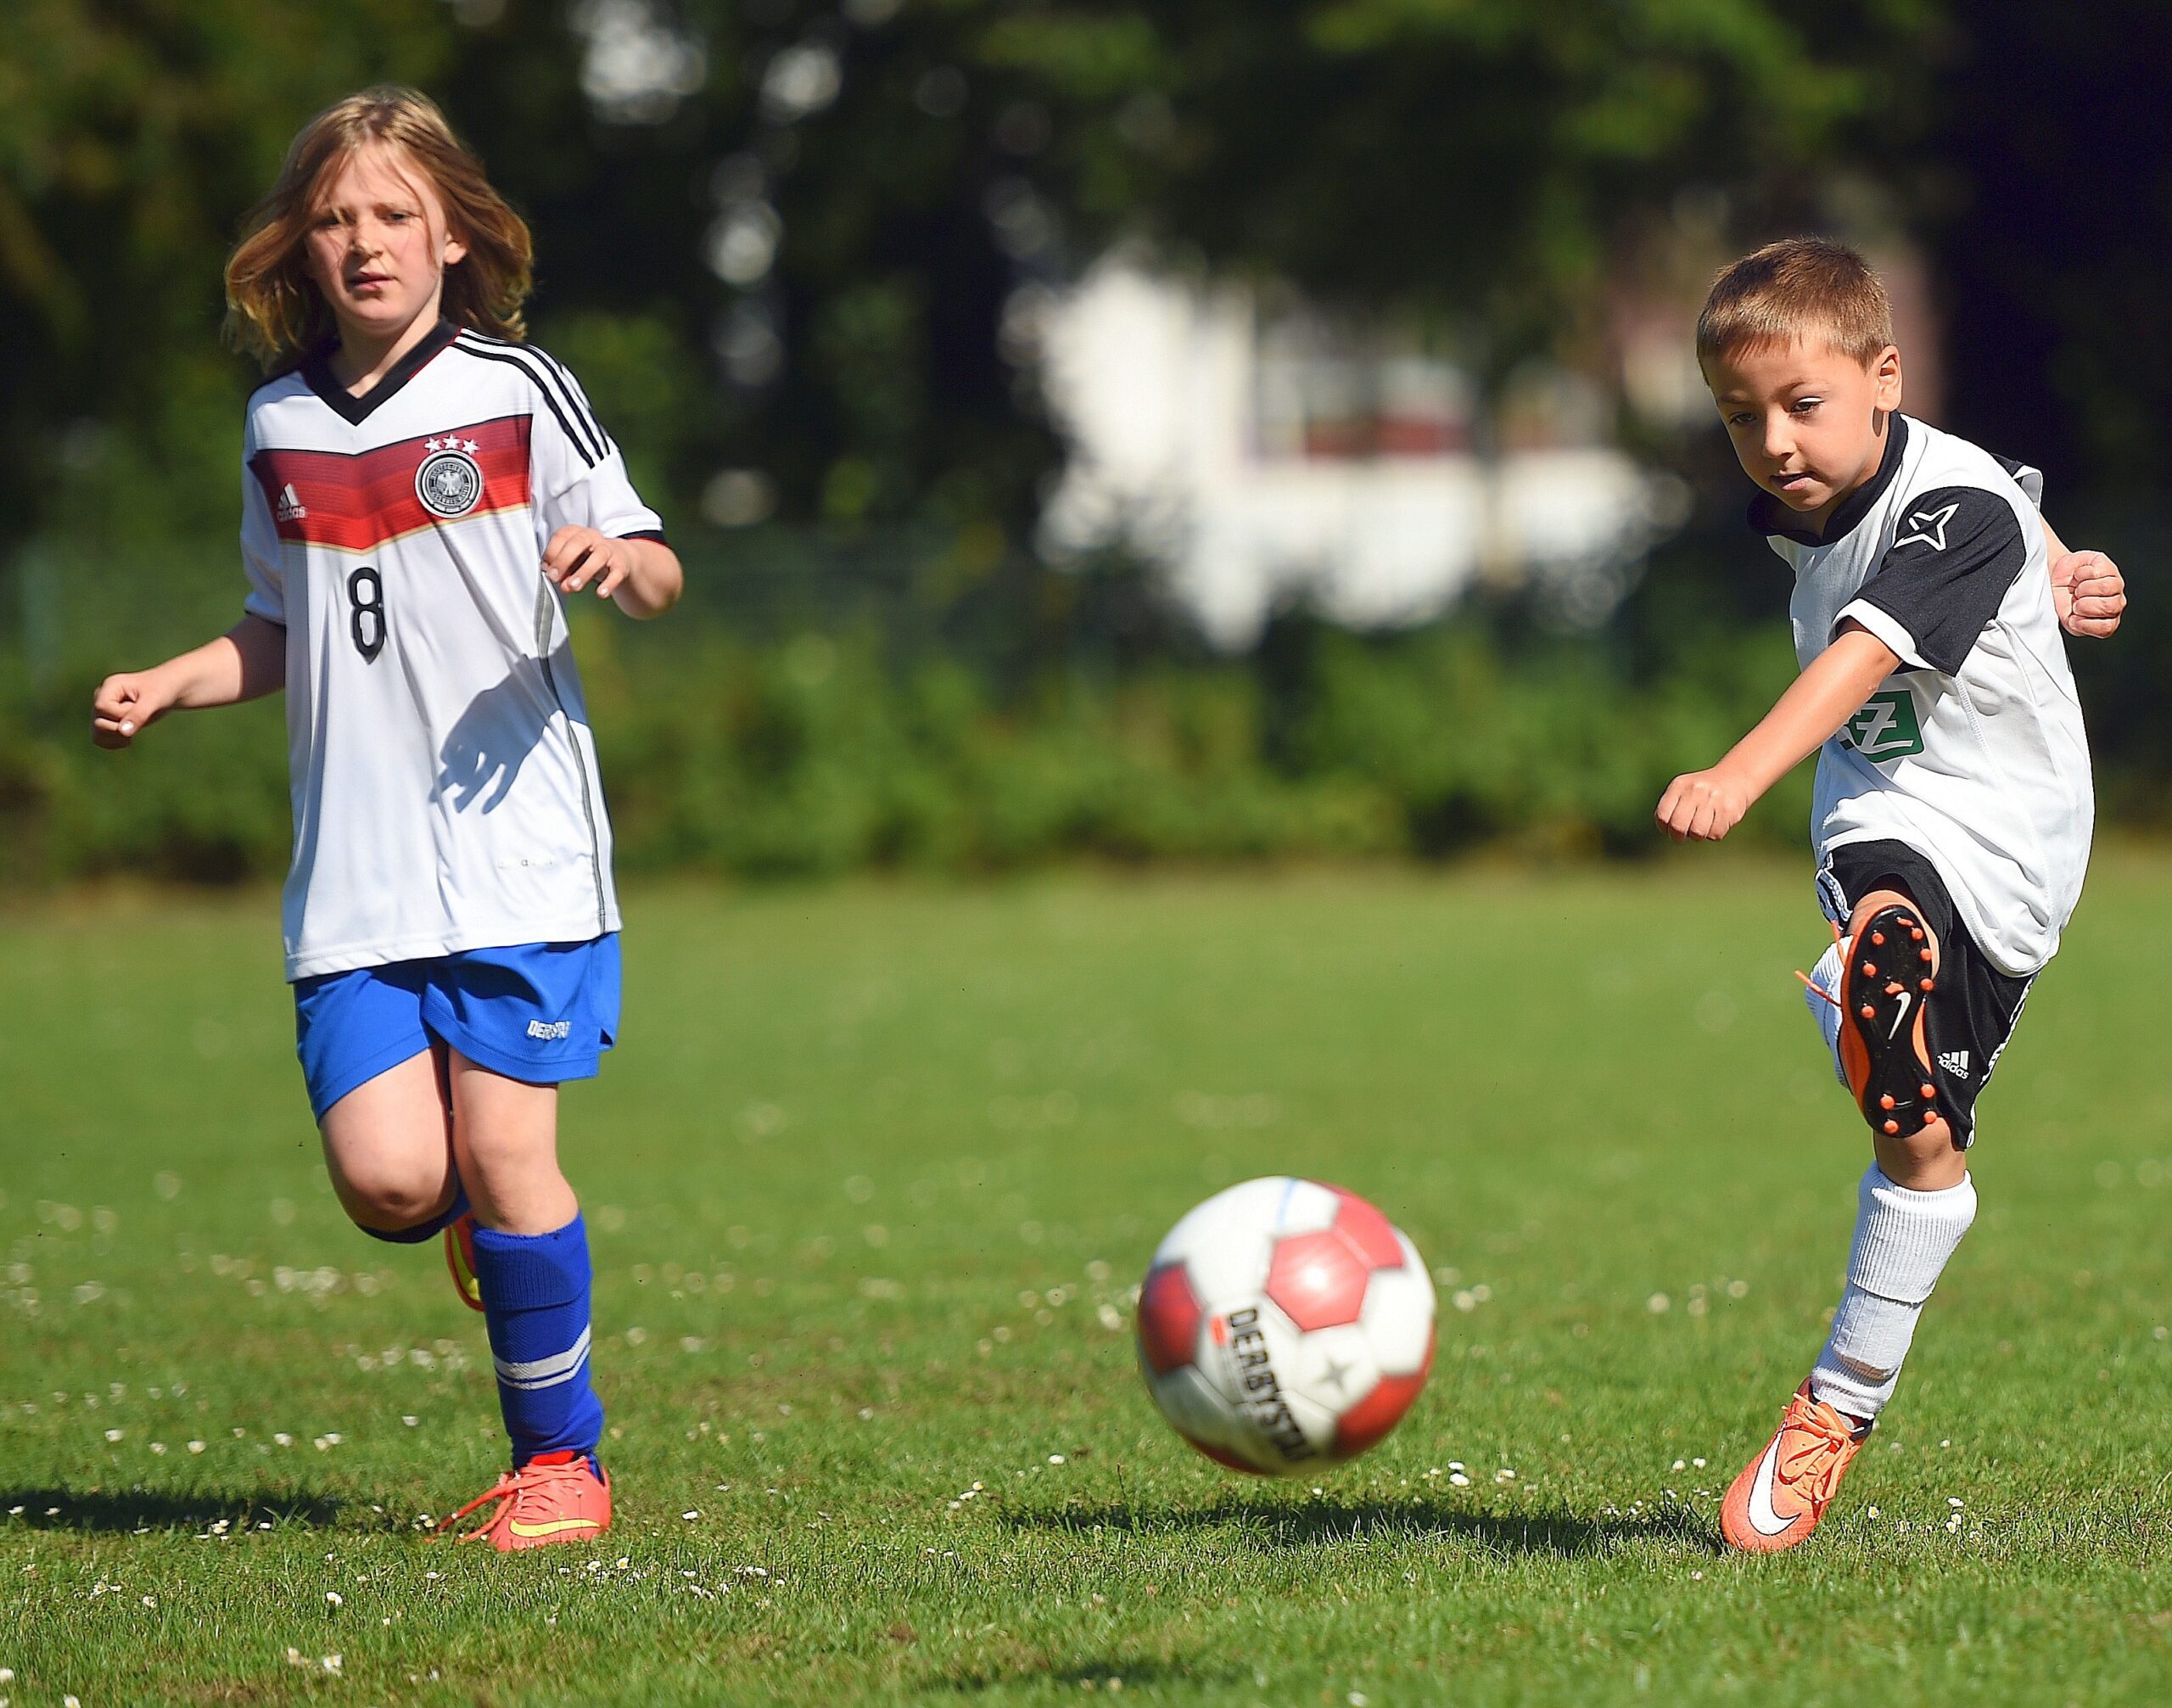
x: 1903, y: 1239
x: 1826, y: 1010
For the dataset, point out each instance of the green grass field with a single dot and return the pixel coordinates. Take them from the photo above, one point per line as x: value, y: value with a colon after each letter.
x: 871, y: 1180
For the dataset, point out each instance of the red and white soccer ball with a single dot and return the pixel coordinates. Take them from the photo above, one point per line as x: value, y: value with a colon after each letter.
x: 1284, y: 1324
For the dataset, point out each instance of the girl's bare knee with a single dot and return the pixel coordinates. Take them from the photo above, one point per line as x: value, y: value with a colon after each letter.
x: 393, y: 1204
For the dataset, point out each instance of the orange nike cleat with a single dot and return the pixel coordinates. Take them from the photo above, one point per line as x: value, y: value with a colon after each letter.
x: 1781, y: 1493
x: 460, y: 1259
x: 1890, y: 967
x: 556, y: 1497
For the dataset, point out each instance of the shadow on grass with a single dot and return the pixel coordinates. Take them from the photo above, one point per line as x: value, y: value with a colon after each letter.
x: 1136, y: 1675
x: 1559, y: 1535
x: 127, y: 1511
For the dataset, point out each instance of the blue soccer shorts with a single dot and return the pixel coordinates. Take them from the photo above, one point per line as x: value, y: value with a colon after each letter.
x: 540, y: 1013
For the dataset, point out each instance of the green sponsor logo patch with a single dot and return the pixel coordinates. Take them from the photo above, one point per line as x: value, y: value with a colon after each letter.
x: 1887, y: 727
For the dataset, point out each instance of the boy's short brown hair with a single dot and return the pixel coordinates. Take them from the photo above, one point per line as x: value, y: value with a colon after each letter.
x: 1797, y: 286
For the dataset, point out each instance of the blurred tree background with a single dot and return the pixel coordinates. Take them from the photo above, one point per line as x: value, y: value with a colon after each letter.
x: 786, y: 244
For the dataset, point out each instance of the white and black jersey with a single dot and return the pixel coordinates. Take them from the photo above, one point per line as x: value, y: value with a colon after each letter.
x: 1973, y: 753
x: 445, y: 785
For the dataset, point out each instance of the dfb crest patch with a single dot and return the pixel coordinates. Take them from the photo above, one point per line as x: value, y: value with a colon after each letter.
x: 449, y: 482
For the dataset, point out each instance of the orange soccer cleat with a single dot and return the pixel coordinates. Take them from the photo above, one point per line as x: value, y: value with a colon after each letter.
x: 1781, y: 1493
x: 556, y: 1497
x: 1890, y: 969
x: 460, y: 1259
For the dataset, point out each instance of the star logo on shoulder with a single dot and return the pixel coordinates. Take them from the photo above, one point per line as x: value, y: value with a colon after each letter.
x: 1928, y: 527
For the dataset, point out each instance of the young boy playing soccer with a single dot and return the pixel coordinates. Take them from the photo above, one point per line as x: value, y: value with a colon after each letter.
x: 420, y: 489
x: 1953, y: 804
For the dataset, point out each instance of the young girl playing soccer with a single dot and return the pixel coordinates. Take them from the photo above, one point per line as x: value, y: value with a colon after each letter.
x: 420, y: 489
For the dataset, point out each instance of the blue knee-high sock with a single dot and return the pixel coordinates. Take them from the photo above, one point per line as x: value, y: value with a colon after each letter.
x: 536, y: 1302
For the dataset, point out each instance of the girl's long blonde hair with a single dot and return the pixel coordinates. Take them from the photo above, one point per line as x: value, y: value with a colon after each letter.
x: 276, y: 313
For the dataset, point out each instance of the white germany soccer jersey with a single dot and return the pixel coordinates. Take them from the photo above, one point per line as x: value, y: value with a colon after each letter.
x: 1973, y: 753
x: 445, y: 794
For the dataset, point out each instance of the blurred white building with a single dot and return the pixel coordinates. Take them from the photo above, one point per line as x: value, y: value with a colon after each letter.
x: 1264, y: 461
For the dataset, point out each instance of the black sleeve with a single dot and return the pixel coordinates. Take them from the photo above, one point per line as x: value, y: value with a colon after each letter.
x: 1956, y: 551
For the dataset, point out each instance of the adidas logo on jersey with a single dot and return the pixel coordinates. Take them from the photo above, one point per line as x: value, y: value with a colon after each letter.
x: 1955, y: 1063
x: 291, y: 508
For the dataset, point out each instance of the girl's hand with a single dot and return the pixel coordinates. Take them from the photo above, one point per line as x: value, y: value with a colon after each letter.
x: 2089, y: 592
x: 126, y: 704
x: 1703, y: 806
x: 579, y: 557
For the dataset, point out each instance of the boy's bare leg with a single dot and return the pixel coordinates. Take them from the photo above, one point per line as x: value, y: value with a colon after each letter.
x: 388, y: 1147
x: 531, y: 1264
x: 505, y: 1137
x: 1913, y: 1206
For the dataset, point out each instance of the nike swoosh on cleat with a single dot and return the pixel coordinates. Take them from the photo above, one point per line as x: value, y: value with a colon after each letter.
x: 557, y: 1527
x: 1766, y: 1521
x: 1905, y: 998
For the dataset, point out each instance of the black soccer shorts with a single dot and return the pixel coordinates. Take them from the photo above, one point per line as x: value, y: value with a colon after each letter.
x: 1969, y: 1017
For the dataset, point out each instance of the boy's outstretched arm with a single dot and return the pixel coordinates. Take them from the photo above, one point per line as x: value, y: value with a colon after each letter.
x: 247, y: 662
x: 1703, y: 806
x: 2087, y: 589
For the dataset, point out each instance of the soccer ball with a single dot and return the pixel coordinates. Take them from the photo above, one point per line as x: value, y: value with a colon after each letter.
x: 1284, y: 1324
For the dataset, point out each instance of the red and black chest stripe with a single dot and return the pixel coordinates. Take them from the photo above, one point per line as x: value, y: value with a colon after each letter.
x: 358, y: 501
